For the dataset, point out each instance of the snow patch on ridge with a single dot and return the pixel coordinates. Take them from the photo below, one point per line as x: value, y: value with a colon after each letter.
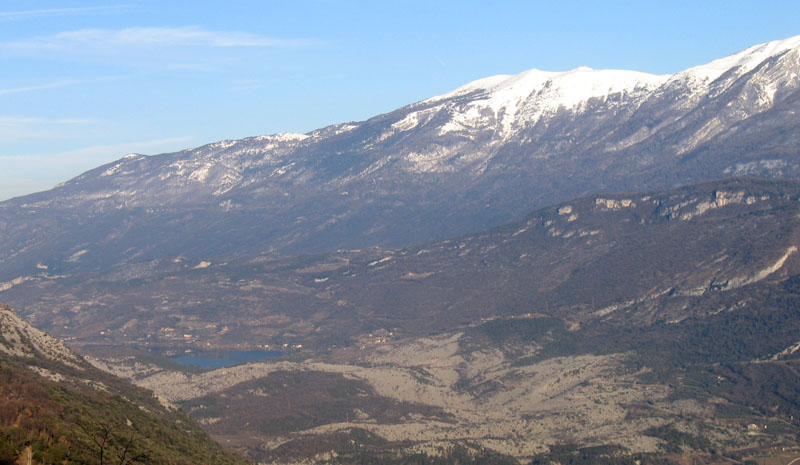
x: 512, y: 100
x: 284, y: 137
x: 746, y: 60
x: 530, y: 95
x: 413, y: 119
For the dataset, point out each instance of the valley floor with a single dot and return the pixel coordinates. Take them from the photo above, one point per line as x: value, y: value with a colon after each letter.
x: 441, y: 393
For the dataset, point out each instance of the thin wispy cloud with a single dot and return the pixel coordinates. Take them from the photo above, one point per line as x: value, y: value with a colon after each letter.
x: 49, y: 85
x: 88, y: 41
x: 19, y: 128
x: 56, y: 84
x: 23, y: 120
x: 328, y: 77
x: 24, y: 14
x: 240, y: 85
x: 153, y: 48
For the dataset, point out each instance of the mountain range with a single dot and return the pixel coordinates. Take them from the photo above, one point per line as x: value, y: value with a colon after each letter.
x: 527, y: 265
x: 482, y: 155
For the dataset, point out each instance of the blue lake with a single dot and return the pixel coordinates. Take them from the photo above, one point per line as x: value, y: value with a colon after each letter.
x: 213, y: 360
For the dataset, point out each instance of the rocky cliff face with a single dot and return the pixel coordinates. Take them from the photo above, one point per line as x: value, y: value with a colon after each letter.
x: 479, y: 156
x: 19, y: 339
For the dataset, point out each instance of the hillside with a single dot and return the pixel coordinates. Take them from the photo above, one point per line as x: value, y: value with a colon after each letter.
x: 56, y: 408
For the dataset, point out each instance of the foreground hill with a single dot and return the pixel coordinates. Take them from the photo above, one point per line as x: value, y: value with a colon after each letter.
x: 57, y: 408
x: 482, y: 155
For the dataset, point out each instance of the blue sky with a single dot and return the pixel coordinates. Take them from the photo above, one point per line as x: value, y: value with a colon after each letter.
x: 83, y: 83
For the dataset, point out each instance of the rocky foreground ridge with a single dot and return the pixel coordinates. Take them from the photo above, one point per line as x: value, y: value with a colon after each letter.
x: 57, y: 408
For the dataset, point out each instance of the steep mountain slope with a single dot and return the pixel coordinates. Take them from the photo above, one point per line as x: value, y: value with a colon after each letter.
x: 479, y: 156
x: 56, y: 408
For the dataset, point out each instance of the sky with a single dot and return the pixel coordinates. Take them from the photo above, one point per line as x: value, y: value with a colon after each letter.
x: 82, y: 83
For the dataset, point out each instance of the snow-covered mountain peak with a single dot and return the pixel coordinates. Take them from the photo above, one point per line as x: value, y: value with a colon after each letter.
x: 533, y: 93
x: 745, y: 61
x: 482, y: 85
x: 575, y: 85
x: 581, y: 84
